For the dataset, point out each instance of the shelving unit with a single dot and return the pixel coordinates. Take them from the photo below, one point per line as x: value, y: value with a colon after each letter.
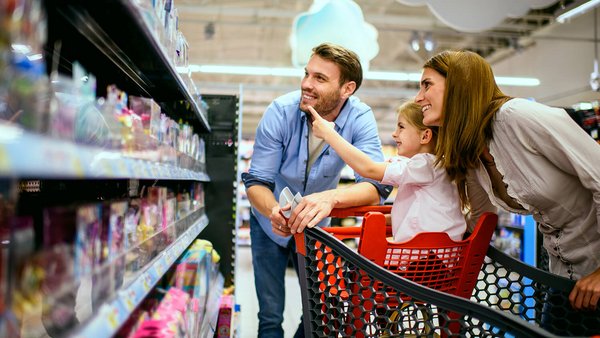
x: 115, y: 40
x: 77, y: 161
x: 114, y: 313
x: 243, y: 204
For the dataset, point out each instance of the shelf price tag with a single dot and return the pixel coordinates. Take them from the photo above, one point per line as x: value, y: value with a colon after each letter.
x: 112, y: 316
x: 146, y: 282
x: 128, y: 298
x: 121, y: 168
x: 161, y: 266
x: 170, y: 256
x: 106, y: 168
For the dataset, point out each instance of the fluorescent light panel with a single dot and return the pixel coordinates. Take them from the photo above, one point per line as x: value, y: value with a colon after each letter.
x: 577, y: 9
x: 370, y: 75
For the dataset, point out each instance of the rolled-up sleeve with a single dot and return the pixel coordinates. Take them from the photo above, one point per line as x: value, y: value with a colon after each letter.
x: 268, y: 150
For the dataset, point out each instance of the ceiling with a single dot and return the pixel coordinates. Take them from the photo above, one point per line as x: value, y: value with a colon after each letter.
x: 257, y: 33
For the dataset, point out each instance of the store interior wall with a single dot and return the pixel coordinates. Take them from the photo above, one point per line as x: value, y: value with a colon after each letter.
x: 561, y: 56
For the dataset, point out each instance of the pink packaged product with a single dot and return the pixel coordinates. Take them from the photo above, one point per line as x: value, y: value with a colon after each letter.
x: 154, y: 328
x: 186, y: 277
x: 87, y: 241
x: 169, y: 318
x: 131, y: 241
x: 116, y: 242
x: 198, y: 189
x: 59, y: 286
x: 149, y: 111
x: 225, y: 315
x: 195, y: 317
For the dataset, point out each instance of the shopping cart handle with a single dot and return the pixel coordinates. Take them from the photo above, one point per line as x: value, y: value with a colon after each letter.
x: 359, y: 211
x: 342, y: 233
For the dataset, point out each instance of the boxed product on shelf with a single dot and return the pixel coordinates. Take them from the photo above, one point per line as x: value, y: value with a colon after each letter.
x: 116, y: 242
x: 224, y: 323
x: 170, y: 213
x: 23, y: 79
x: 87, y: 239
x: 131, y: 240
x: 149, y: 111
x: 169, y: 319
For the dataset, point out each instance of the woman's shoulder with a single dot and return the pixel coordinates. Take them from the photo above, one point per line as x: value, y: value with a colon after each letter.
x: 519, y: 110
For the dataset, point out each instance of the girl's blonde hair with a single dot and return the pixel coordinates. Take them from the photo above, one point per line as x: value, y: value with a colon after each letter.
x: 411, y: 111
x: 471, y: 99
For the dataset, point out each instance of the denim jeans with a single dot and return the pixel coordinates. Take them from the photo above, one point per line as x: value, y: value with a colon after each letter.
x: 270, y: 262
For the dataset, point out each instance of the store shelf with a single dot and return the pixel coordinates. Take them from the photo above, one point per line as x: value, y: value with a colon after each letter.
x: 112, y: 315
x: 135, y: 52
x: 26, y: 154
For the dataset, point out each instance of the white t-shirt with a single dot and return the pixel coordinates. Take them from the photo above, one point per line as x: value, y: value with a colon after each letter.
x: 426, y: 200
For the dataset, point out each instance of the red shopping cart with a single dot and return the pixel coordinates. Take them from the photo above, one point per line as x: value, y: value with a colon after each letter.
x: 417, y: 288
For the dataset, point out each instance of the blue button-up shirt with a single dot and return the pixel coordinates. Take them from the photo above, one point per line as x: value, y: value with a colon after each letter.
x: 280, y: 152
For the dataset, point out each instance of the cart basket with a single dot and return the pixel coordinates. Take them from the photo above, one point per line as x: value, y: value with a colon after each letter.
x: 536, y: 296
x: 344, y: 294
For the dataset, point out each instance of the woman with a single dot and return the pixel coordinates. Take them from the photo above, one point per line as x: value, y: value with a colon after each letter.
x: 521, y: 156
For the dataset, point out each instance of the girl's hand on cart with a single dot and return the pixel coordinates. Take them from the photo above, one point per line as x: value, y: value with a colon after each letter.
x: 312, y: 210
x: 586, y: 293
x: 320, y: 127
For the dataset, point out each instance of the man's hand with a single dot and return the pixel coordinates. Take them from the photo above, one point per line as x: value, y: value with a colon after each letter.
x: 312, y: 210
x: 278, y: 222
x: 586, y: 293
x: 320, y: 127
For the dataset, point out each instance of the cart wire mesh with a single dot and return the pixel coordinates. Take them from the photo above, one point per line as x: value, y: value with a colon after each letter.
x: 344, y: 294
x: 536, y: 296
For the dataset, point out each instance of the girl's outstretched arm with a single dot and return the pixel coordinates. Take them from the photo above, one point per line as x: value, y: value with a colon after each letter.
x: 356, y: 159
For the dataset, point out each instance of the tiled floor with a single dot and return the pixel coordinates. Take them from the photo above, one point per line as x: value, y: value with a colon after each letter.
x: 246, y: 297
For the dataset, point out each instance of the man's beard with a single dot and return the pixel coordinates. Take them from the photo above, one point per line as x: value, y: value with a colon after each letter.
x: 325, y: 104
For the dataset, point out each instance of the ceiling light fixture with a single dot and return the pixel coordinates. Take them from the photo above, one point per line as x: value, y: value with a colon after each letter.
x: 577, y: 8
x: 428, y: 42
x: 370, y: 75
x: 415, y: 41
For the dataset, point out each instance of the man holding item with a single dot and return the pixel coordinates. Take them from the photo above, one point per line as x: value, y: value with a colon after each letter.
x: 286, y: 154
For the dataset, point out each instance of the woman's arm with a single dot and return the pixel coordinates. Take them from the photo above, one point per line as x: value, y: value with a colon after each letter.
x: 356, y: 159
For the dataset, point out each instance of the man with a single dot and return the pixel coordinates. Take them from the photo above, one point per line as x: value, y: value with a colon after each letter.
x: 287, y: 155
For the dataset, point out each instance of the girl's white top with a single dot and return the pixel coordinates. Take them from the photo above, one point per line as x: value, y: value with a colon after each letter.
x: 426, y: 200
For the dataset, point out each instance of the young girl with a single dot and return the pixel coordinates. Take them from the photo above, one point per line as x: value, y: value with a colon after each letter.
x: 426, y: 199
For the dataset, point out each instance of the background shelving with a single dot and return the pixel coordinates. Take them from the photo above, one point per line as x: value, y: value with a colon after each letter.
x: 42, y: 169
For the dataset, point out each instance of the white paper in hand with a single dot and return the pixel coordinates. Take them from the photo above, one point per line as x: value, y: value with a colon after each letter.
x: 285, y: 198
x: 297, y: 200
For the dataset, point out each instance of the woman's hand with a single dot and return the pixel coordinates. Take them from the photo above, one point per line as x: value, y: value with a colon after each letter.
x: 321, y: 128
x: 586, y: 292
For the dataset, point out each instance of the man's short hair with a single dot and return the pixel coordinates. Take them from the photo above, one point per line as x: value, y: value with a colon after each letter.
x: 347, y: 60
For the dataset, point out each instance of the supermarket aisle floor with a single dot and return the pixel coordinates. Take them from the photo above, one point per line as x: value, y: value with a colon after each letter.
x: 246, y: 297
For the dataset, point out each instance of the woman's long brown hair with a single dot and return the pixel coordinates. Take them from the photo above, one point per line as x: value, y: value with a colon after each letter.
x: 471, y: 99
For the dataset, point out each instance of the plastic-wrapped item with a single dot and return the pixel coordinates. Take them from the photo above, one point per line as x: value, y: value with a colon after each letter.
x: 116, y: 242
x: 131, y: 241
x: 149, y: 110
x: 23, y: 80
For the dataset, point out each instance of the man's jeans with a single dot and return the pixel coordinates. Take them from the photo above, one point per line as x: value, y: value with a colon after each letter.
x: 270, y: 262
